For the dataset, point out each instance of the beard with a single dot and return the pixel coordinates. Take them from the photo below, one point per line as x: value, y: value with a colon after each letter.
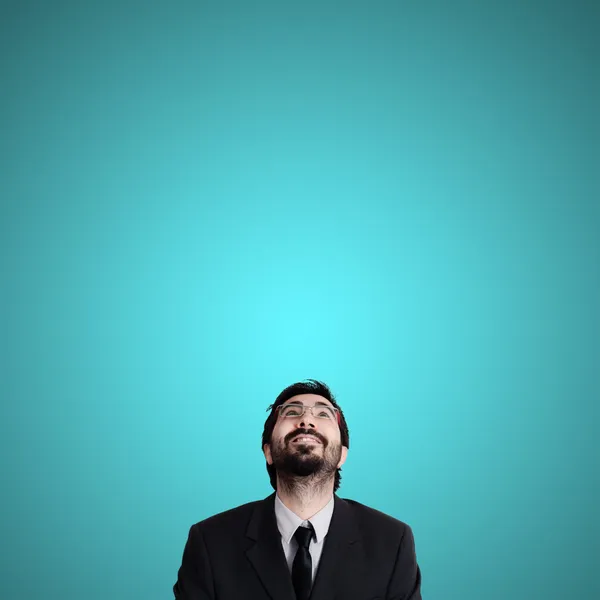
x: 303, y: 462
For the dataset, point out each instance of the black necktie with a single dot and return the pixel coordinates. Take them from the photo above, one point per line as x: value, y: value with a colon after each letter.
x: 302, y: 567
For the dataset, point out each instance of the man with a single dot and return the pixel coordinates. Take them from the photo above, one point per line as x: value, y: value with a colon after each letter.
x: 302, y: 540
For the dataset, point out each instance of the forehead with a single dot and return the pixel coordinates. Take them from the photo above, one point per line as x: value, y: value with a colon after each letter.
x: 309, y: 400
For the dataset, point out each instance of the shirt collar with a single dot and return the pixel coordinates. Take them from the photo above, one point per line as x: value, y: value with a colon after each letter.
x: 288, y: 521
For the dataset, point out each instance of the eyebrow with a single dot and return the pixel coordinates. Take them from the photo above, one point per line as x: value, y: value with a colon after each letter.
x: 317, y: 403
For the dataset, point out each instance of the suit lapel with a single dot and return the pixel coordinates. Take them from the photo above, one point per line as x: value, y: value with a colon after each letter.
x: 341, y: 572
x: 266, y: 554
x: 342, y: 565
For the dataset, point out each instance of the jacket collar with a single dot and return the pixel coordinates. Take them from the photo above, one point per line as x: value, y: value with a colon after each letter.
x: 341, y: 567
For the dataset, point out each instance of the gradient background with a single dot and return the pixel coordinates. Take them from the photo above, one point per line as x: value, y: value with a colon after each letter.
x: 202, y: 203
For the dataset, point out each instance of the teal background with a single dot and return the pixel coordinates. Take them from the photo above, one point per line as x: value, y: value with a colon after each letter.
x: 202, y: 203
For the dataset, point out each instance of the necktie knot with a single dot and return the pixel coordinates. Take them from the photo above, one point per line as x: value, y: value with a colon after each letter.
x: 303, y: 535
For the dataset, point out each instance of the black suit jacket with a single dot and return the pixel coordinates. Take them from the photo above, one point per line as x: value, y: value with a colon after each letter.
x: 237, y: 555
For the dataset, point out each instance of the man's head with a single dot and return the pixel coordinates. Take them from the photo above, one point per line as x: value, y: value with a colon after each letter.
x: 305, y: 434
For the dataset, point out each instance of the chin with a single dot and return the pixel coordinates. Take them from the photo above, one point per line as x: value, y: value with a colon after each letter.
x: 304, y: 449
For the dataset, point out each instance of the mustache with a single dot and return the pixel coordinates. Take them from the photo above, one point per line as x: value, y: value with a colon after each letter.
x: 307, y: 432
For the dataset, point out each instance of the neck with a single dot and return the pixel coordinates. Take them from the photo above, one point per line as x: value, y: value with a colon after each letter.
x: 303, y: 497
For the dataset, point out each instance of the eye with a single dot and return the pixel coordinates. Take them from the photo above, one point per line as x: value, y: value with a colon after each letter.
x: 291, y: 410
x: 327, y: 413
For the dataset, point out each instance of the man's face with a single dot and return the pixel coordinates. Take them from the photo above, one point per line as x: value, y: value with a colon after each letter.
x: 304, y: 445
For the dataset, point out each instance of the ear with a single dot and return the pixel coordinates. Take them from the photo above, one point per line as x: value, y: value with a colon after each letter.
x: 267, y: 453
x: 343, y: 457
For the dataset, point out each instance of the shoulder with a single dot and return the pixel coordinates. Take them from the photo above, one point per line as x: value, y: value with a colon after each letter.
x: 229, y: 518
x: 372, y: 518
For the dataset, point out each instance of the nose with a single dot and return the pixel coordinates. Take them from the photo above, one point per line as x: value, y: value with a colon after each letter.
x: 307, y: 420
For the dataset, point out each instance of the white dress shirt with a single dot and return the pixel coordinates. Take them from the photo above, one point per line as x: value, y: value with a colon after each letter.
x: 287, y: 523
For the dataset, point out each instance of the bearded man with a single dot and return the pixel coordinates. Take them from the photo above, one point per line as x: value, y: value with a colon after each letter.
x: 303, y: 541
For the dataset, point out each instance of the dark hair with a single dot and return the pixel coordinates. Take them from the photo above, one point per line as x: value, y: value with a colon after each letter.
x: 309, y: 386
